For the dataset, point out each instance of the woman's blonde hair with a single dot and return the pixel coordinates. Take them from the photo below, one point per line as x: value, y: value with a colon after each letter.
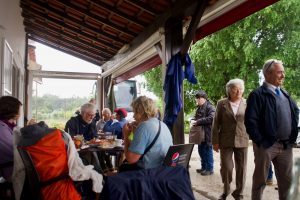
x: 144, y: 106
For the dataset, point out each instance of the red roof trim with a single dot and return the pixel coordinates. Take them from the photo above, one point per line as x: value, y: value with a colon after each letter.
x: 141, y: 68
x: 234, y: 15
x: 247, y: 8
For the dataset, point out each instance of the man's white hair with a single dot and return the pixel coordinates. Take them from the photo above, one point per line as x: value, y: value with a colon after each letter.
x: 269, y: 64
x: 87, y: 107
x: 106, y: 110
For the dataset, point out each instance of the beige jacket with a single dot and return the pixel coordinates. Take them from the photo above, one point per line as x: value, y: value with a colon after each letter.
x: 229, y: 130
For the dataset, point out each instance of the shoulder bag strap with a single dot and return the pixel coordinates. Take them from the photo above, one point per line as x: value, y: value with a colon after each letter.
x: 153, y: 141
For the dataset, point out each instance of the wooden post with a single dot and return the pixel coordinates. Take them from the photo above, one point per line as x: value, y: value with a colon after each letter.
x: 173, y: 42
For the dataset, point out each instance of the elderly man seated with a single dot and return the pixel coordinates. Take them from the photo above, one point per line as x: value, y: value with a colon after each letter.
x: 83, y: 124
x: 53, y: 154
x: 116, y: 127
x: 106, y: 116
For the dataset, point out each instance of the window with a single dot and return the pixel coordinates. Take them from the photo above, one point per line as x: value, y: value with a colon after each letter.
x: 6, y: 68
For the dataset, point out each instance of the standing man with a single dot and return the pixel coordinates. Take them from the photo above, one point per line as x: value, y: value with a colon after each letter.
x: 203, y: 119
x: 271, y: 121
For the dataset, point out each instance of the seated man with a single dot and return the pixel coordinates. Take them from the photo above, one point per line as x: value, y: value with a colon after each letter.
x: 116, y: 128
x: 83, y: 124
x: 53, y: 154
x: 106, y: 116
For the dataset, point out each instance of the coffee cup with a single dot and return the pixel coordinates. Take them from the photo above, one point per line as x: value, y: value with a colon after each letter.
x: 119, y: 142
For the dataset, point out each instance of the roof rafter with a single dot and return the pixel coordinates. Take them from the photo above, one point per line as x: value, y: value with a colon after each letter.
x: 66, y: 50
x: 87, y: 13
x: 142, y: 6
x: 45, y: 26
x: 66, y: 17
x: 119, y: 13
x: 64, y: 43
x: 63, y: 37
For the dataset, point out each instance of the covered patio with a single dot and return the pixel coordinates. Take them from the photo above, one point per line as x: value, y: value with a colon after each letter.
x: 126, y: 38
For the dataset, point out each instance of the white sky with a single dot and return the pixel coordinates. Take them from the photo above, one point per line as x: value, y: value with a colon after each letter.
x: 53, y: 60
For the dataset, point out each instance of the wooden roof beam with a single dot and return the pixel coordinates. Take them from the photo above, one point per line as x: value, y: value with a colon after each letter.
x: 63, y: 43
x: 79, y: 23
x: 117, y: 12
x: 87, y: 13
x: 142, y: 6
x: 201, y: 6
x: 67, y: 51
x: 107, y: 45
x: 176, y: 9
x: 63, y: 37
x: 44, y: 26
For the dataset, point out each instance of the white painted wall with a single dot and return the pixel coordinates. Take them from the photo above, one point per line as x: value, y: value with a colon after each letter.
x: 12, y: 29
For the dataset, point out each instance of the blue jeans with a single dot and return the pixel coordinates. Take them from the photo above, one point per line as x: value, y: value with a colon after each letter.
x: 270, y: 173
x: 206, y: 154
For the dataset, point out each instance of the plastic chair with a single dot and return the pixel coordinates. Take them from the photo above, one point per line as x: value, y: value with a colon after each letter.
x: 179, y: 155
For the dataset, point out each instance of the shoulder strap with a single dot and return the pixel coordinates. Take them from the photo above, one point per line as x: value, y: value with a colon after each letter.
x: 153, y: 141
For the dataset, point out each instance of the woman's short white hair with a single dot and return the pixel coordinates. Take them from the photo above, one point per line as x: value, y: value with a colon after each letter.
x: 87, y: 107
x: 234, y: 82
x: 106, y: 110
x: 269, y: 64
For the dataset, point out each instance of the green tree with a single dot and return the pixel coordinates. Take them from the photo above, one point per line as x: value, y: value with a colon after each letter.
x: 240, y: 50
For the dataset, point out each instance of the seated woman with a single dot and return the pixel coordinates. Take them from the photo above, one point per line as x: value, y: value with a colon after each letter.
x: 54, y: 155
x: 9, y: 114
x: 147, y: 128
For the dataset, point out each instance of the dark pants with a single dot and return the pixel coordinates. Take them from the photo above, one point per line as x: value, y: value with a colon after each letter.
x: 282, y: 159
x: 240, y: 163
x: 206, y: 154
x: 270, y: 173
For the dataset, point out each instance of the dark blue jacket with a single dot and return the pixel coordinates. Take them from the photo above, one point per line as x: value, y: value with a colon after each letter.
x: 76, y: 125
x: 115, y: 128
x: 173, y: 84
x: 261, y: 119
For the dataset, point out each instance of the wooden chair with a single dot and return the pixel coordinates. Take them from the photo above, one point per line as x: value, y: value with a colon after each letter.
x: 179, y: 155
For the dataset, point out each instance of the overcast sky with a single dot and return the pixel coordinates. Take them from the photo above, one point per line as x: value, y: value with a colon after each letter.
x: 53, y: 60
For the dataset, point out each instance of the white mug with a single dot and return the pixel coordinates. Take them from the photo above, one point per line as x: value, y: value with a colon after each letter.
x: 119, y: 142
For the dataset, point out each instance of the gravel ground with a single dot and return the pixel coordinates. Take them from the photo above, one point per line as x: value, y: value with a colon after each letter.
x: 211, y: 187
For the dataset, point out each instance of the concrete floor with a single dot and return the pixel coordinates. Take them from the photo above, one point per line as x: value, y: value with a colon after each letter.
x: 211, y: 187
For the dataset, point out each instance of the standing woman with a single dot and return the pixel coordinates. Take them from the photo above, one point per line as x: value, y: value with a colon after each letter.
x: 202, y: 122
x: 230, y: 136
x: 9, y: 114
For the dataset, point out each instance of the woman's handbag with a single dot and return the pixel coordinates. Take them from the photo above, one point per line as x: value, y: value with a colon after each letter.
x: 197, y: 134
x: 125, y: 166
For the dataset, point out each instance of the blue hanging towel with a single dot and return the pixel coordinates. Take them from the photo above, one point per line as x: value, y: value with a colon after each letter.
x: 172, y: 85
